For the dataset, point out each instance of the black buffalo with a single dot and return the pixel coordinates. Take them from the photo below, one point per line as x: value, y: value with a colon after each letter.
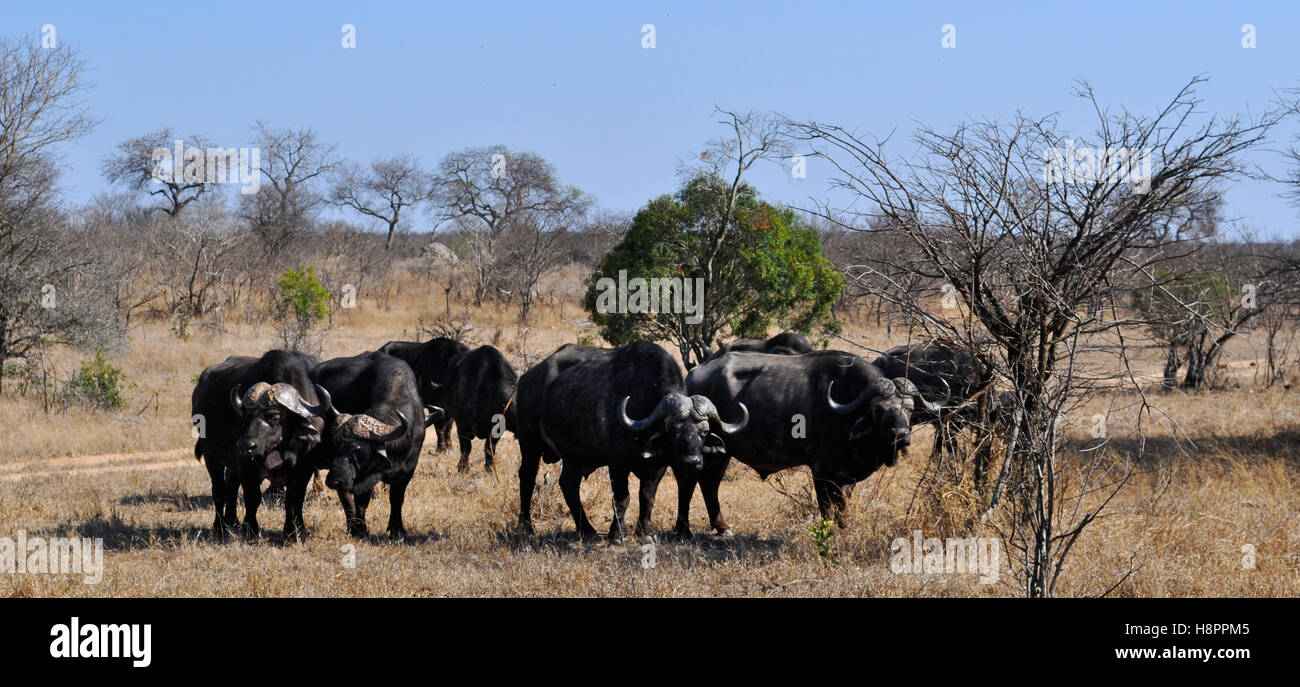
x: 940, y: 369
x: 942, y: 366
x: 478, y: 395
x: 375, y: 432
x: 257, y: 419
x: 578, y: 406
x: 785, y: 343
x: 429, y: 361
x: 829, y: 410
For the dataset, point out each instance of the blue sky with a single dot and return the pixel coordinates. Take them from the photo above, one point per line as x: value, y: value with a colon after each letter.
x: 572, y: 82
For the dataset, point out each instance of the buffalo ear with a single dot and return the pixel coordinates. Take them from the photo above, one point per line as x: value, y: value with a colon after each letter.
x: 861, y: 428
x: 714, y: 444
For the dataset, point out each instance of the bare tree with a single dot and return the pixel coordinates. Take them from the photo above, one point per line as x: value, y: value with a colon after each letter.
x: 43, y: 296
x: 294, y: 163
x: 383, y: 190
x: 491, y: 190
x: 138, y: 166
x: 534, y: 243
x: 1029, y: 251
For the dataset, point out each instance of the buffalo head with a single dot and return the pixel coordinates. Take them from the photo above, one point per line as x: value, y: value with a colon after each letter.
x: 359, y: 451
x: 685, y: 428
x: 276, y: 425
x: 884, y: 414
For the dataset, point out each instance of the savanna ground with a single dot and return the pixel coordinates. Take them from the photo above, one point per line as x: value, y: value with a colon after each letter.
x: 1180, y: 525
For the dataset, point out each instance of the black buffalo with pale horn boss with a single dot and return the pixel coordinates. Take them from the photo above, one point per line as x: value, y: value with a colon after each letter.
x: 375, y: 431
x: 829, y: 410
x: 785, y: 343
x: 478, y: 396
x: 257, y: 419
x: 430, y: 361
x: 622, y: 408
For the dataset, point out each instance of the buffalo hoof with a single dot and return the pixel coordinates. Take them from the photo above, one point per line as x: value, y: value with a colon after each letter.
x: 397, y: 533
x: 358, y: 531
x: 682, y: 532
x: 252, y: 531
x: 526, y: 527
x: 724, y: 533
x: 589, y: 535
x: 295, y: 534
x: 462, y: 466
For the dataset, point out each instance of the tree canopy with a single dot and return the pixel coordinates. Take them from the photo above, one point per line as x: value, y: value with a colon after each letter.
x: 768, y: 270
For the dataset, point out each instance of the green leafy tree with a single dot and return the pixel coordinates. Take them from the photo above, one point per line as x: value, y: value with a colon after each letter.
x: 304, y: 303
x: 766, y: 269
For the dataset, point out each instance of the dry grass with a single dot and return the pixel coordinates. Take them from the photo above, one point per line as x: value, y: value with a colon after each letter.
x: 1183, y: 519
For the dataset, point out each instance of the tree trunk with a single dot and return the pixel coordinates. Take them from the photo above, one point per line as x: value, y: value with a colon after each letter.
x: 1172, y: 363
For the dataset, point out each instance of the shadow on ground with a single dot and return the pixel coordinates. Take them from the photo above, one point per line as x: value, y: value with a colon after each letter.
x: 120, y: 535
x: 172, y: 501
x: 702, y: 548
x: 1283, y: 446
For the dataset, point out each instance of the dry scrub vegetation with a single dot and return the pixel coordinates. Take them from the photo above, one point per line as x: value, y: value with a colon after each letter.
x: 1232, y: 479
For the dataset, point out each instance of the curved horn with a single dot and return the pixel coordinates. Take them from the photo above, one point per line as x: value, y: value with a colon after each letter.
x: 725, y: 427
x: 638, y: 425
x: 846, y: 408
x: 288, y: 397
x: 402, y: 424
x: 909, y: 388
x: 326, y: 403
x: 236, y: 400
x: 434, y: 413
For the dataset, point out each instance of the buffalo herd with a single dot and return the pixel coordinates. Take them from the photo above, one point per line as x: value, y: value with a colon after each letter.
x: 772, y: 405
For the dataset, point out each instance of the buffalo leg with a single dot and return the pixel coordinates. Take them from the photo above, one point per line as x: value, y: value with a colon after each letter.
x: 396, y: 496
x: 230, y: 514
x: 686, y: 481
x: 618, y: 482
x: 295, y: 529
x: 490, y: 451
x: 276, y: 490
x: 217, y: 473
x: 363, y: 502
x: 710, y: 481
x: 252, y: 484
x: 831, y: 498
x: 443, y: 428
x: 466, y: 445
x: 529, y: 459
x: 570, y: 480
x: 356, y: 521
x: 646, y: 498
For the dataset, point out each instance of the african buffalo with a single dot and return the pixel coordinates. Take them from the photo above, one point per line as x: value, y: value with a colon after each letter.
x: 429, y: 361
x: 943, y: 368
x: 785, y: 343
x: 828, y: 410
x: 478, y: 395
x: 939, y: 369
x: 258, y: 420
x: 578, y: 406
x: 375, y: 432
